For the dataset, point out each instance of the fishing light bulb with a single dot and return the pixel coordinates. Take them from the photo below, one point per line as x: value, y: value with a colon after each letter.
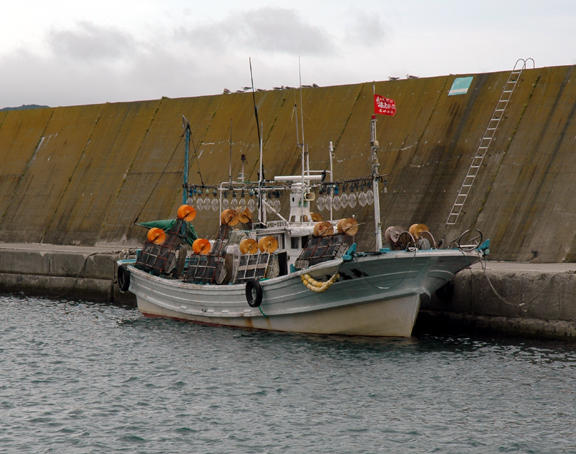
x: 370, y: 196
x: 352, y: 200
x: 336, y: 202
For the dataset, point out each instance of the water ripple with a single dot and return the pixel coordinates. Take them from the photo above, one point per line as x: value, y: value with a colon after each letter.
x: 89, y: 378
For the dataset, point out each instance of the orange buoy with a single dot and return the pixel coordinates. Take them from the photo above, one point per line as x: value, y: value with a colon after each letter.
x: 349, y: 226
x: 229, y: 217
x: 186, y: 212
x: 416, y: 229
x: 248, y: 246
x: 324, y: 228
x: 268, y: 244
x: 245, y: 216
x: 316, y: 217
x: 201, y: 246
x: 156, y: 235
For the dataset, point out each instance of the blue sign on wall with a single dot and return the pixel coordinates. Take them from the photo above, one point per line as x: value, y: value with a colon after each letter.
x: 460, y: 86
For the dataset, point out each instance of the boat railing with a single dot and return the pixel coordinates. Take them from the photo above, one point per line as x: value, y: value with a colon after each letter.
x: 278, y: 223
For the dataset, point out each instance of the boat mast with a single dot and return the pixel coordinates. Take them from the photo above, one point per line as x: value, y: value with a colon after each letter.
x: 305, y: 158
x: 374, y: 147
x: 305, y: 161
x: 230, y: 156
x: 186, y: 125
x: 261, y: 208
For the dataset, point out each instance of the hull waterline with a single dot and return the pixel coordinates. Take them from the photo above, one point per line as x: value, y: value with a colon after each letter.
x: 393, y: 317
x: 374, y: 296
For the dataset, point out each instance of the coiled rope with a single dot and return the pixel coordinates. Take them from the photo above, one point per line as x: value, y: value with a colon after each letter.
x: 318, y: 286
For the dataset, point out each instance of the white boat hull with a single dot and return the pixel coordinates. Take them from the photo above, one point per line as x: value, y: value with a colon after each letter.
x: 376, y: 295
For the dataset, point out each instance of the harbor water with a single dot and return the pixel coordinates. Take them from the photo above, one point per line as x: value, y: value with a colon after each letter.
x: 81, y: 377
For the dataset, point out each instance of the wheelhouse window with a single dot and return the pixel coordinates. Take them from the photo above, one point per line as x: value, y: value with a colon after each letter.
x: 295, y: 242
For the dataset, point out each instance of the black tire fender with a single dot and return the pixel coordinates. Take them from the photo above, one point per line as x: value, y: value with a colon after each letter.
x: 123, y: 278
x: 253, y: 293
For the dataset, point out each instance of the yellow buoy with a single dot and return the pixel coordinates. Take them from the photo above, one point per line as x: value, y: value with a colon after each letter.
x: 268, y: 244
x: 416, y: 229
x: 229, y: 217
x: 349, y: 226
x: 248, y: 246
x: 324, y: 228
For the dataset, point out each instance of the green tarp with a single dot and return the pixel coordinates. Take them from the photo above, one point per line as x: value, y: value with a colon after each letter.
x: 167, y: 224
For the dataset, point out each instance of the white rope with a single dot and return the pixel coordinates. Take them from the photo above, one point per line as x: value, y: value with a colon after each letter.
x: 500, y: 297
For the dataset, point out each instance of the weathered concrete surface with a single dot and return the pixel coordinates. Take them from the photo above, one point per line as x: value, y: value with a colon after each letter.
x: 520, y: 298
x: 83, y: 175
x: 62, y: 271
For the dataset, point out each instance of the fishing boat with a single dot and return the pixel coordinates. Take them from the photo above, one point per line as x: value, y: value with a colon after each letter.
x: 297, y: 274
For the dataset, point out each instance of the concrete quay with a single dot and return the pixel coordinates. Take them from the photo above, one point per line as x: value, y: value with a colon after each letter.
x: 61, y: 271
x: 525, y: 299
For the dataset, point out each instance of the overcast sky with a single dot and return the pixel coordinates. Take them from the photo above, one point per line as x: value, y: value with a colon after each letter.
x: 61, y: 52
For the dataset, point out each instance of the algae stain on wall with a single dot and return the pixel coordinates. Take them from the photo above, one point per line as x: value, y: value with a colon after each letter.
x: 89, y: 172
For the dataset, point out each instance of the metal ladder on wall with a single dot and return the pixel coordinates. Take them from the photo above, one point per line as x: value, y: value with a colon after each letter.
x: 487, y: 139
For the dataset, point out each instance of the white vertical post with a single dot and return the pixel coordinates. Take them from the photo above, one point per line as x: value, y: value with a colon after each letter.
x: 331, y: 178
x: 375, y: 185
x: 261, y: 197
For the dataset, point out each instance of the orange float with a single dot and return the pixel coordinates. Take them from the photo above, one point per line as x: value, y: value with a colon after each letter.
x: 186, y: 212
x: 229, y: 217
x: 245, y: 216
x: 349, y: 226
x: 324, y: 228
x: 268, y: 244
x: 201, y: 246
x: 416, y: 229
x: 156, y: 235
x: 316, y: 217
x: 248, y: 246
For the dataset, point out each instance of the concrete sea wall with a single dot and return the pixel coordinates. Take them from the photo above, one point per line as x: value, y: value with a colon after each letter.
x: 60, y: 271
x: 84, y: 175
x: 509, y: 297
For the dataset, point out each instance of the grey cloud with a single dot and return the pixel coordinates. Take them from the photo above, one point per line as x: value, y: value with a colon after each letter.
x: 46, y: 79
x: 365, y: 29
x: 276, y: 30
x: 282, y: 30
x: 91, y: 42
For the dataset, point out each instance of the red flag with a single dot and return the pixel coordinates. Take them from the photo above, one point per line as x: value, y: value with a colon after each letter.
x: 384, y: 106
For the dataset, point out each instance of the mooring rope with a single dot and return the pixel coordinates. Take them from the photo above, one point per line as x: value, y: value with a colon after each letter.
x: 500, y: 297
